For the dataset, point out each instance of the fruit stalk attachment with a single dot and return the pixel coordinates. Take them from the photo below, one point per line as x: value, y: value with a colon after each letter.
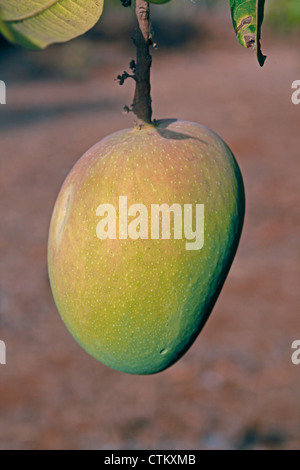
x: 142, y: 102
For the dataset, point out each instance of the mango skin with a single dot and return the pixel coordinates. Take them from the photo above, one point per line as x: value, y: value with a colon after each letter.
x: 138, y: 305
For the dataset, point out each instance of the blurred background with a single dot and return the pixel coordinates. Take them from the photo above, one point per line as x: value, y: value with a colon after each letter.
x: 236, y: 388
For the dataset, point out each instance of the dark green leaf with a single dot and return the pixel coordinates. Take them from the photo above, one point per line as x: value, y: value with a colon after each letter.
x: 247, y: 17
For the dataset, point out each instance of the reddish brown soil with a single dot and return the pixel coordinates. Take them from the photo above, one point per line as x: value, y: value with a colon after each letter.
x: 236, y: 387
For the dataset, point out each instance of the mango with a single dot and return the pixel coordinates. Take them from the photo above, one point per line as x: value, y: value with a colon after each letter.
x: 141, y: 240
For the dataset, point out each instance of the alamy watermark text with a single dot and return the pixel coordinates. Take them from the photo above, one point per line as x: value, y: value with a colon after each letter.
x: 296, y: 94
x: 2, y: 92
x: 2, y: 352
x: 160, y: 214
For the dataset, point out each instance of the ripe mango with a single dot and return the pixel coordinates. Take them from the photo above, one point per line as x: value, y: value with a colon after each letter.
x: 137, y: 305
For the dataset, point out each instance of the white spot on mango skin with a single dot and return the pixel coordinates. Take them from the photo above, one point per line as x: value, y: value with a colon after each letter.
x: 63, y: 211
x: 163, y: 351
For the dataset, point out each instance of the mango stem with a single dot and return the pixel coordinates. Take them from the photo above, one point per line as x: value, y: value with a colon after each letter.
x: 142, y: 102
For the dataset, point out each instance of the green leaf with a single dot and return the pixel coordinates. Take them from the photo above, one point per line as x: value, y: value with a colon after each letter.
x: 247, y: 17
x: 38, y: 23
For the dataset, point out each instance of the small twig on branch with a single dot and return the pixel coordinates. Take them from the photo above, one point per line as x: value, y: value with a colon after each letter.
x: 121, y: 78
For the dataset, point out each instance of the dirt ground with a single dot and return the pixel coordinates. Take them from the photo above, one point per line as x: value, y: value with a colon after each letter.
x: 236, y: 388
